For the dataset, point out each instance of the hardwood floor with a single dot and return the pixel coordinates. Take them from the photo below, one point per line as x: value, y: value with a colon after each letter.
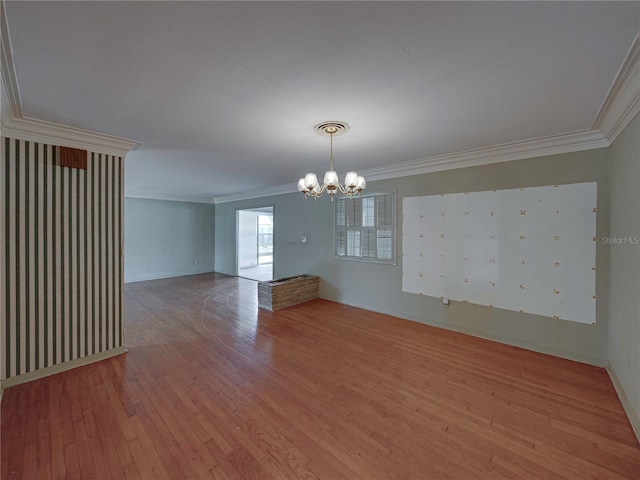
x: 213, y: 388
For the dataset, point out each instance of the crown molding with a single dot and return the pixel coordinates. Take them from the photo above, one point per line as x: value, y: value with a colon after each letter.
x: 56, y: 134
x: 8, y: 73
x: 263, y: 192
x: 541, y: 147
x: 32, y: 129
x: 622, y: 103
x: 168, y: 196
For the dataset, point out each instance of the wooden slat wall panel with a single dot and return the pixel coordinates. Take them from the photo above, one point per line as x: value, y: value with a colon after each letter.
x: 62, y: 272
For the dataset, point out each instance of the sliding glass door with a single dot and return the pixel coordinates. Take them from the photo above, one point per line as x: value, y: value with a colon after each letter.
x: 265, y: 239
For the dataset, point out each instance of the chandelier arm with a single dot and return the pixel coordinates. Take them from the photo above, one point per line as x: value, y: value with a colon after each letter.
x: 320, y: 194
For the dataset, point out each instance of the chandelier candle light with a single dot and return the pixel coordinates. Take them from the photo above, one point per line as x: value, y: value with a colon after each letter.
x: 353, y: 183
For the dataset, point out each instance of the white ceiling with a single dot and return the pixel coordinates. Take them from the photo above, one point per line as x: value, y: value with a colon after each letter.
x: 223, y: 96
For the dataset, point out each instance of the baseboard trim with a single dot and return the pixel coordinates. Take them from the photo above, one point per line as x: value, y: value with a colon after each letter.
x: 632, y: 415
x: 576, y: 357
x: 161, y: 276
x: 61, y: 367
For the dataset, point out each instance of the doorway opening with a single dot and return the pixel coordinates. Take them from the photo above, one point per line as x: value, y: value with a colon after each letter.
x: 255, y: 243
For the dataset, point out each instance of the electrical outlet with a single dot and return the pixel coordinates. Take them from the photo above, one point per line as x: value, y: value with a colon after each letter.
x: 304, y: 239
x: 445, y: 301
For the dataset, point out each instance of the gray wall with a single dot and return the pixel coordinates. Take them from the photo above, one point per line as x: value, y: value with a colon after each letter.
x: 379, y: 287
x: 167, y: 239
x: 293, y: 217
x: 624, y: 273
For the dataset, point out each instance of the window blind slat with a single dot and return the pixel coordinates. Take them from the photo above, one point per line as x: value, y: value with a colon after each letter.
x: 365, y: 228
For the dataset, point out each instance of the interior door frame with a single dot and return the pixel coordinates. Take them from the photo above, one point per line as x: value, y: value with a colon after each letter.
x: 237, y: 234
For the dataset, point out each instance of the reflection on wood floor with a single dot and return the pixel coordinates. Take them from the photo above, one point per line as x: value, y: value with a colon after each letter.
x: 261, y: 273
x: 213, y: 388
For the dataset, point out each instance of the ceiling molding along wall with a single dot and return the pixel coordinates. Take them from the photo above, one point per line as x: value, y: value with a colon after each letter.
x: 168, y: 196
x: 31, y: 129
x: 263, y: 192
x: 55, y: 134
x: 8, y: 73
x: 622, y: 103
x: 541, y: 147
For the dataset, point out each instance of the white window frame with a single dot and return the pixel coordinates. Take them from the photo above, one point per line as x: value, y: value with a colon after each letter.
x: 338, y: 229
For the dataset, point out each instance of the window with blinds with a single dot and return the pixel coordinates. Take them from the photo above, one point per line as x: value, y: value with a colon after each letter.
x: 365, y: 228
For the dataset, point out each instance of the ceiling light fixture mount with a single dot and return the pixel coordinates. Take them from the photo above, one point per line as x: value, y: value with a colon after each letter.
x: 353, y: 183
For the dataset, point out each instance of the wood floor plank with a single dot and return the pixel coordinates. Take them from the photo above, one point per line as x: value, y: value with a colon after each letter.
x: 145, y: 453
x: 85, y: 455
x: 214, y: 388
x: 44, y: 434
x: 58, y: 466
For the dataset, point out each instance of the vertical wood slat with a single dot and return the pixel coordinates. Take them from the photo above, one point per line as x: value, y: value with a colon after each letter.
x: 108, y: 254
x: 114, y: 255
x: 121, y: 250
x: 97, y: 320
x: 30, y: 327
x: 89, y: 238
x: 73, y: 263
x: 102, y: 187
x: 82, y: 215
x: 8, y: 221
x: 48, y: 256
x: 58, y: 295
x: 19, y: 246
x: 10, y: 259
x: 40, y: 257
x: 61, y: 287
x: 4, y: 245
x: 63, y: 270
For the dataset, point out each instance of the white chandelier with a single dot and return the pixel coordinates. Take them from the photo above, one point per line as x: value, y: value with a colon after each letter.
x: 353, y: 183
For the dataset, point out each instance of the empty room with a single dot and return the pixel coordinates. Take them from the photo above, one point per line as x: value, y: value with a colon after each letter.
x: 320, y: 240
